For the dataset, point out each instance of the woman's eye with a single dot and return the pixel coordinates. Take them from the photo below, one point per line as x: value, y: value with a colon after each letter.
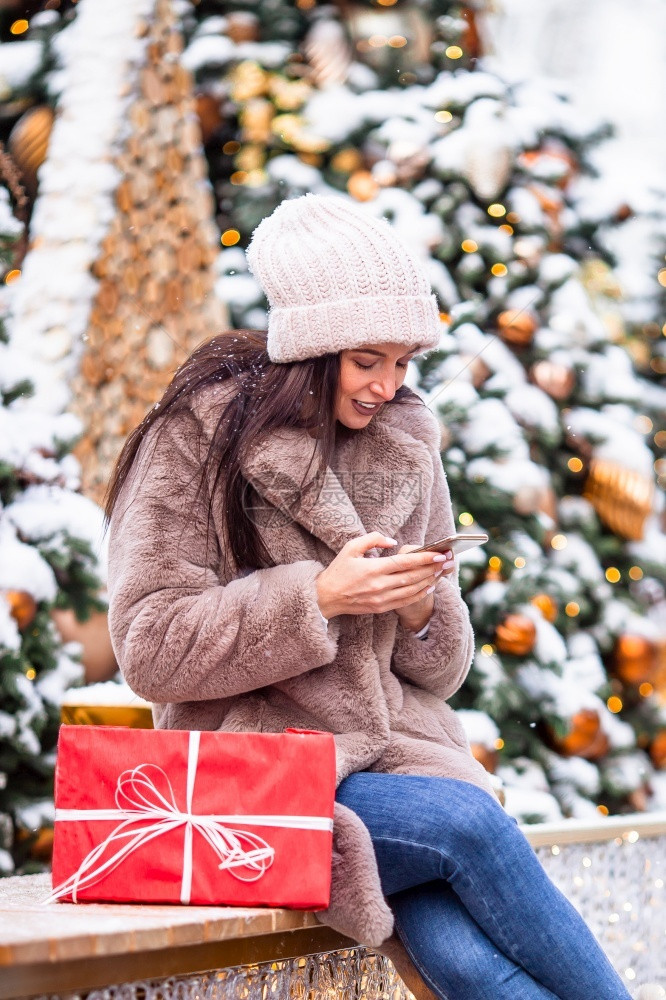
x: 366, y: 367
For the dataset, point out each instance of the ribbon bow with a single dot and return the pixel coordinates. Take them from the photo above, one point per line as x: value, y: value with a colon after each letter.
x: 139, y: 801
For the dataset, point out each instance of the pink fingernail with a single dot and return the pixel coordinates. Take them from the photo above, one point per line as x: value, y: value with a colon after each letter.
x: 439, y: 571
x: 430, y: 589
x: 440, y: 558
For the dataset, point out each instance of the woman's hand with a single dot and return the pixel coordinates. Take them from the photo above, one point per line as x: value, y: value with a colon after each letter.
x: 417, y: 614
x: 354, y: 585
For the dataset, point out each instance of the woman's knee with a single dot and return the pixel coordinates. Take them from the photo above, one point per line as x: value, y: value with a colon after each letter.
x: 470, y: 816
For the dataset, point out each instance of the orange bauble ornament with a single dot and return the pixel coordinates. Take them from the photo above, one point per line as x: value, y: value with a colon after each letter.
x: 586, y: 738
x: 98, y: 658
x: 476, y: 368
x: 362, y: 185
x: 517, y: 326
x: 347, y: 160
x: 546, y: 605
x: 658, y: 750
x: 28, y: 143
x: 22, y: 606
x: 516, y: 635
x: 635, y: 659
x: 484, y: 756
x: 555, y: 379
x: 621, y: 497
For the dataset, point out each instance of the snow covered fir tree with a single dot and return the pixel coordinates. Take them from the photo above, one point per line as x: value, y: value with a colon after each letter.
x: 30, y: 80
x: 47, y: 562
x: 545, y: 419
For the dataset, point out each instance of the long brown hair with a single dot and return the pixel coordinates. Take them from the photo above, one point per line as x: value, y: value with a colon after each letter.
x: 268, y: 396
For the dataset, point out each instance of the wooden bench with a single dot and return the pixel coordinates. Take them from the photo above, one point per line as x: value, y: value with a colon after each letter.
x: 613, y: 871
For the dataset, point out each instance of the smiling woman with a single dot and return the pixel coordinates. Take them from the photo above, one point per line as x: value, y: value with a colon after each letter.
x: 243, y: 596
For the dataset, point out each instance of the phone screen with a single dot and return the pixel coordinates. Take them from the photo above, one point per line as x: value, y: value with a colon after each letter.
x: 457, y: 543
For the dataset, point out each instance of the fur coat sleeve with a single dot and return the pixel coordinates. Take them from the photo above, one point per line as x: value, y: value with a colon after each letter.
x: 178, y: 633
x: 440, y: 662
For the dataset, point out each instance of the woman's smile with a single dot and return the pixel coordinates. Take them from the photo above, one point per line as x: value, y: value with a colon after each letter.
x: 366, y: 409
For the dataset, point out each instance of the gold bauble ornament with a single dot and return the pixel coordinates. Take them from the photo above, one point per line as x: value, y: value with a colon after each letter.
x: 251, y: 157
x: 307, y: 142
x: 598, y: 278
x: 22, y: 606
x: 289, y: 95
x: 555, y: 379
x: 255, y: 120
x: 517, y: 326
x: 585, y: 738
x: 347, y: 160
x: 28, y: 143
x: 634, y: 659
x: 98, y: 658
x: 516, y: 635
x: 485, y: 756
x: 621, y: 497
x: 248, y: 80
x: 546, y: 605
x: 362, y: 186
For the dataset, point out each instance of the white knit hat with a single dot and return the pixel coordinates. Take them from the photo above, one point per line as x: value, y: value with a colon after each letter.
x: 336, y: 278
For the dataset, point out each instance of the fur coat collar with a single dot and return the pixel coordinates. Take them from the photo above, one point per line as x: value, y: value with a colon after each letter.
x: 381, y: 475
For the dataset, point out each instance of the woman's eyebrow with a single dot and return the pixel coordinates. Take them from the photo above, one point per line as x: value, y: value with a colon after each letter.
x: 381, y: 354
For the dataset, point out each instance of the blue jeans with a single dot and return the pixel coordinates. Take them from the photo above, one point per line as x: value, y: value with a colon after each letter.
x: 473, y: 905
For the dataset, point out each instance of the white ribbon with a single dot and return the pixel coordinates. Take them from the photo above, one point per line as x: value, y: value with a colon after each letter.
x: 158, y: 814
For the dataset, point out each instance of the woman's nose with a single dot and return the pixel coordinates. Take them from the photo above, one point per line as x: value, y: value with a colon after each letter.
x: 384, y: 387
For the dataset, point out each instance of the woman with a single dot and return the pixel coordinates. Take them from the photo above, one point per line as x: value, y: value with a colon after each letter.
x: 244, y: 596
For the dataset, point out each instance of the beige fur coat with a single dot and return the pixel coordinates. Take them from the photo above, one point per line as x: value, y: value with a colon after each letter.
x: 250, y: 651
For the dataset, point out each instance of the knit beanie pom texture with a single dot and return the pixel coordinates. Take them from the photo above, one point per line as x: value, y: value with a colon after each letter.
x: 335, y: 278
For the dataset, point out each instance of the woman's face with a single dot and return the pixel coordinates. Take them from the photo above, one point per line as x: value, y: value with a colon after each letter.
x: 369, y: 374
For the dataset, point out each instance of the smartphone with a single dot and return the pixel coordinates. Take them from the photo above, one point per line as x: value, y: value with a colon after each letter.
x: 457, y: 543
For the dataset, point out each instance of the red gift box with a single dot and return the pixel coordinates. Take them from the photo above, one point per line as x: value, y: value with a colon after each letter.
x: 171, y: 816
